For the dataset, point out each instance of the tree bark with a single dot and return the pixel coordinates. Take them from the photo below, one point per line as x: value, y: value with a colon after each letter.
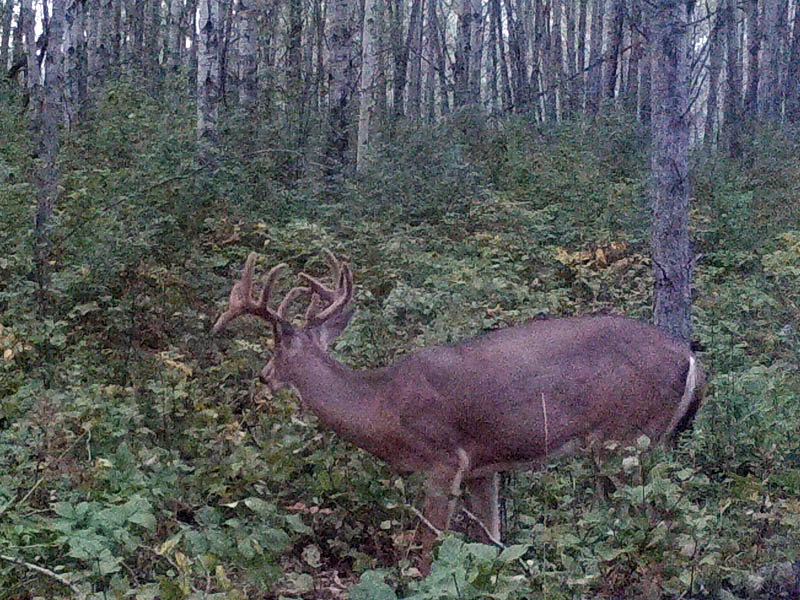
x: 615, y: 23
x: 505, y: 83
x: 637, y: 47
x: 753, y: 48
x: 50, y: 115
x: 369, y: 62
x: 208, y: 22
x: 18, y: 48
x: 341, y: 80
x: 572, y: 92
x: 594, y: 76
x: 75, y: 66
x: 520, y: 83
x: 733, y: 95
x: 715, y: 51
x: 414, y: 51
x: 670, y: 188
x: 247, y: 13
x: 793, y: 73
x: 770, y: 91
x: 5, y: 34
x: 556, y: 61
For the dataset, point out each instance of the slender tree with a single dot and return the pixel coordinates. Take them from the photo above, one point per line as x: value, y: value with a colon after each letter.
x: 208, y: 22
x: 6, y: 12
x: 369, y: 61
x: 247, y: 13
x: 770, y: 90
x: 715, y: 52
x: 594, y: 75
x: 793, y: 72
x: 341, y: 81
x: 669, y: 187
x: 613, y: 53
x: 733, y: 75
x: 753, y: 48
x: 414, y: 45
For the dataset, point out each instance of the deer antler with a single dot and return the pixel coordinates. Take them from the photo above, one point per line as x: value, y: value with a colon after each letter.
x: 241, y: 300
x: 336, y: 299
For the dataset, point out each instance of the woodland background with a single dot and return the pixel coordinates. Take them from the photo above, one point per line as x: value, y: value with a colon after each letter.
x: 478, y: 162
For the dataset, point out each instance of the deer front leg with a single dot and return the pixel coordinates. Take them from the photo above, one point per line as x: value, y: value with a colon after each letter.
x: 484, y: 507
x: 443, y: 488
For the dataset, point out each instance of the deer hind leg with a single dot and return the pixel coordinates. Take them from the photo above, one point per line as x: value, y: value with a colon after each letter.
x: 484, y: 507
x: 443, y: 489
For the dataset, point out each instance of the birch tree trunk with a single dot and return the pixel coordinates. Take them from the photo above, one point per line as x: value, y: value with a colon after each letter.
x: 669, y: 186
x: 793, y: 73
x: 753, y: 48
x: 369, y: 62
x: 637, y: 46
x: 5, y: 34
x: 594, y: 76
x: 610, y: 69
x: 75, y: 65
x: 50, y: 116
x: 247, y: 13
x: 174, y: 36
x: 208, y: 22
x: 476, y: 58
x: 414, y: 46
x: 715, y: 51
x: 733, y: 95
x: 341, y: 78
x: 770, y: 92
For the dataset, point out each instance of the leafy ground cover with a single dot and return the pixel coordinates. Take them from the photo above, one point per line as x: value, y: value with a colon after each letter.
x: 139, y: 458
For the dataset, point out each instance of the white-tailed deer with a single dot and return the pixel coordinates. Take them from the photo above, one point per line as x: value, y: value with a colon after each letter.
x: 460, y: 414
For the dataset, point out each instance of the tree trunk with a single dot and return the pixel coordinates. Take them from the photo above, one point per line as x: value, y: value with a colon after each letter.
x: 5, y: 34
x: 793, y: 74
x: 476, y: 47
x: 247, y: 14
x: 557, y: 60
x: 733, y: 95
x: 414, y: 50
x: 75, y: 62
x: 714, y: 67
x: 33, y: 75
x: 594, y: 76
x: 369, y: 62
x: 341, y: 80
x: 580, y: 80
x: 208, y: 22
x: 637, y: 47
x: 520, y: 83
x: 570, y: 90
x: 615, y: 23
x: 770, y: 92
x: 463, y: 54
x: 505, y: 84
x: 669, y: 189
x: 430, y: 44
x: 753, y: 47
x: 50, y: 115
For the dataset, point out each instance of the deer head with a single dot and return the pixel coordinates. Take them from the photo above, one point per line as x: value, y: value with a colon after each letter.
x: 325, y: 318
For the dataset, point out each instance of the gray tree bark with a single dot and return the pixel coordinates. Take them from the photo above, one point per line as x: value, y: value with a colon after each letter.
x: 612, y: 58
x: 341, y: 81
x: 594, y: 76
x: 5, y: 35
x: 669, y: 186
x: 637, y: 49
x: 770, y: 89
x: 753, y: 48
x: 174, y: 36
x: 247, y: 13
x: 793, y: 72
x: 733, y: 75
x: 369, y: 63
x: 75, y: 65
x: 50, y: 117
x: 208, y: 23
x: 414, y: 44
x: 715, y: 52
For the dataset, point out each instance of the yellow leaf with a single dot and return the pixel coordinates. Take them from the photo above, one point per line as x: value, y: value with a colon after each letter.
x: 8, y: 355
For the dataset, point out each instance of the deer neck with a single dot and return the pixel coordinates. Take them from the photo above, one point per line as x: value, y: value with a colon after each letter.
x: 342, y: 399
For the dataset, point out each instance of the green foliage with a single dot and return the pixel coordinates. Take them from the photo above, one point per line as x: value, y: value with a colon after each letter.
x: 139, y: 457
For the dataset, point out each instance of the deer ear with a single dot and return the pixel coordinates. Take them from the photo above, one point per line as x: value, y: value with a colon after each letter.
x: 333, y: 327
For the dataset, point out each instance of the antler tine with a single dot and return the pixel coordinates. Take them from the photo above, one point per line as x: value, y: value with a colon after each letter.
x: 293, y: 294
x: 241, y: 300
x: 343, y: 295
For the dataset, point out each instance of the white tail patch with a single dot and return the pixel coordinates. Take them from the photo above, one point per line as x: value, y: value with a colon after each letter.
x: 688, y: 395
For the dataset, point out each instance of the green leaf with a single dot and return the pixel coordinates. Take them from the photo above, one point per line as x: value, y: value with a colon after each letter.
x: 512, y: 553
x: 372, y: 587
